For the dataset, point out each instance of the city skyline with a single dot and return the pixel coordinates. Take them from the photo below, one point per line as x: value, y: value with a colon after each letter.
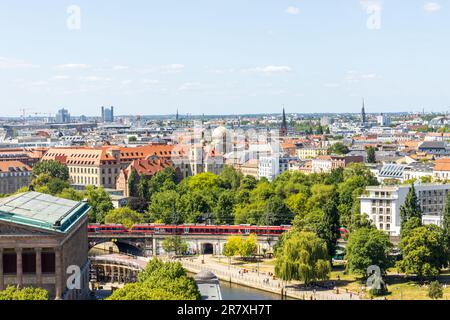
x: 223, y: 58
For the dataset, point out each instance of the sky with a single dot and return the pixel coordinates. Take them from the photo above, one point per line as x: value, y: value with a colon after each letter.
x: 151, y: 57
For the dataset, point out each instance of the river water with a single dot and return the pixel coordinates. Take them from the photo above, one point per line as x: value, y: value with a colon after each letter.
x: 231, y: 291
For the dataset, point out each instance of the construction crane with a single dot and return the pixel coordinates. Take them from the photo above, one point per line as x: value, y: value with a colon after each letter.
x: 24, y: 112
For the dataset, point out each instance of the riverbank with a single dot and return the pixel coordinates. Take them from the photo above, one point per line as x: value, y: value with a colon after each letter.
x: 260, y: 281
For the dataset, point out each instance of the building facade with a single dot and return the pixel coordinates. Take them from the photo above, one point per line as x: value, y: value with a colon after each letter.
x: 13, y: 176
x: 382, y: 204
x: 327, y: 164
x: 101, y: 166
x: 43, y: 242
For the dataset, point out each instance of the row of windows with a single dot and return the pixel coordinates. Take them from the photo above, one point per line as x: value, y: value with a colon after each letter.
x: 381, y: 210
x: 92, y: 170
x: 15, y: 174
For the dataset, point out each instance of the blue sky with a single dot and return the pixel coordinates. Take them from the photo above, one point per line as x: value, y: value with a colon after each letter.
x: 224, y: 56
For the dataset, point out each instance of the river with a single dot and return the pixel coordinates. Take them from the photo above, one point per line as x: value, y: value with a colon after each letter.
x: 231, y: 291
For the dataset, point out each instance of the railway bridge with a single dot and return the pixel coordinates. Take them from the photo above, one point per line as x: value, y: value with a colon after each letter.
x: 149, y: 245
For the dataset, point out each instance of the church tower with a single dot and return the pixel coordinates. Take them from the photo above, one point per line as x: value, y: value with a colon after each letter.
x: 363, y: 113
x: 284, y: 127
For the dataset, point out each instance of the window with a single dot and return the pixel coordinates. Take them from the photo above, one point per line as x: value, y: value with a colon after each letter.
x: 9, y: 262
x: 29, y: 261
x: 48, y: 262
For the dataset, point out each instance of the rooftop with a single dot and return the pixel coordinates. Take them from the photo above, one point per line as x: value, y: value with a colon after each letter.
x: 42, y: 211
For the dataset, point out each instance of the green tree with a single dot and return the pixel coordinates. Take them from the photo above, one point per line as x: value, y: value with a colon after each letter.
x: 249, y: 246
x: 367, y: 247
x: 446, y: 219
x: 163, y: 206
x: 12, y: 293
x: 133, y: 181
x: 304, y: 257
x: 230, y: 178
x: 203, y: 181
x: 329, y: 226
x: 160, y: 281
x: 424, y: 251
x: 223, y: 211
x: 175, y: 244
x: 232, y: 247
x: 124, y: 216
x: 435, y: 290
x: 338, y: 148
x: 71, y: 194
x: 44, y: 183
x: 53, y: 168
x: 100, y: 202
x: 371, y: 155
x: 410, y: 208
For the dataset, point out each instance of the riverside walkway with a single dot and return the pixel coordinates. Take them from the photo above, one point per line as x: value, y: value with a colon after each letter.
x: 262, y: 281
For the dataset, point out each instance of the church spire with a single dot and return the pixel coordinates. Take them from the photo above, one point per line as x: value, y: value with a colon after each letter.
x: 283, y: 130
x: 363, y: 113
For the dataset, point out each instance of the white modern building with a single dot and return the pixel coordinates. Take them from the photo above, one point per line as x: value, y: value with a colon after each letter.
x: 382, y: 204
x: 270, y: 167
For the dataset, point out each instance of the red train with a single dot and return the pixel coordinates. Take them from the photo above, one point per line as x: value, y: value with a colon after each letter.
x: 187, y: 229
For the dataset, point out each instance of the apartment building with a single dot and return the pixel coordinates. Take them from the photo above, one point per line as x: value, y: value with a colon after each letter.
x: 441, y: 169
x: 382, y: 204
x: 101, y: 166
x: 311, y: 153
x: 13, y: 176
x: 270, y: 167
x: 146, y: 167
x: 328, y: 163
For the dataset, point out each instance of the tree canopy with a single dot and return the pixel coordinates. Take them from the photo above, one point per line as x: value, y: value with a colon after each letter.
x: 303, y: 256
x: 424, y: 251
x: 367, y: 247
x: 52, y: 168
x: 12, y: 293
x: 160, y: 281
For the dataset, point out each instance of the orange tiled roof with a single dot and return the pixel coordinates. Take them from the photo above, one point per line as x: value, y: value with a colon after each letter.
x: 442, y: 164
x: 15, y: 165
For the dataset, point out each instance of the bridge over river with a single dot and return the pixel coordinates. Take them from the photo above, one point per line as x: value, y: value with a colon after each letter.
x: 148, y: 245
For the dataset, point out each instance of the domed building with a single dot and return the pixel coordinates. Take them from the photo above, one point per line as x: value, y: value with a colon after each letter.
x: 208, y: 285
x: 221, y: 140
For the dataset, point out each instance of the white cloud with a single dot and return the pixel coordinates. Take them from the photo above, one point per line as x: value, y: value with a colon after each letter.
x: 293, y: 10
x: 357, y: 76
x: 120, y: 67
x: 126, y: 82
x: 432, y: 7
x: 60, y: 77
x: 150, y: 81
x: 95, y: 79
x: 269, y: 70
x: 188, y: 86
x: 331, y: 85
x: 6, y: 63
x: 73, y: 66
x: 172, y: 68
x: 168, y: 68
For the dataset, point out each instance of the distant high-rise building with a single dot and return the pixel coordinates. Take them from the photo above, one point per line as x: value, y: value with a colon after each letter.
x: 363, y: 114
x: 284, y: 127
x: 108, y: 114
x: 63, y: 116
x: 383, y: 120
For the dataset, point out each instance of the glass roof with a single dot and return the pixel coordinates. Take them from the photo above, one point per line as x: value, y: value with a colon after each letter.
x: 38, y: 209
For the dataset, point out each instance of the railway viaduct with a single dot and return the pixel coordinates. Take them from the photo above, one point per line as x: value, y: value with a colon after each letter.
x: 149, y: 245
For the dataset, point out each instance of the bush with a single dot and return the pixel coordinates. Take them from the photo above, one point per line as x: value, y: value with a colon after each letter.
x: 435, y: 290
